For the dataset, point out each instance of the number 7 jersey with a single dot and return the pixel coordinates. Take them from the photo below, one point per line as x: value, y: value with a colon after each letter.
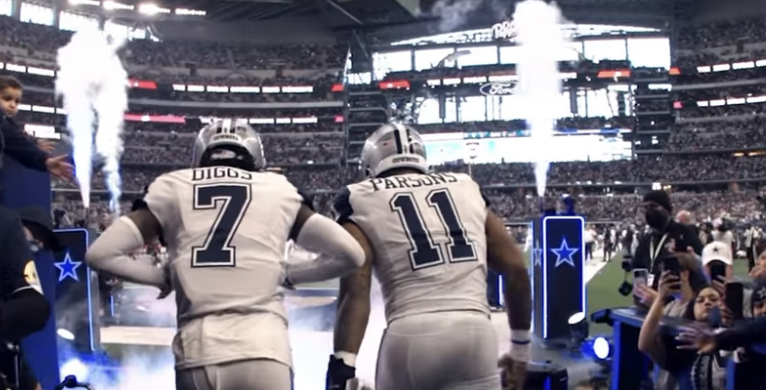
x: 428, y: 235
x: 226, y: 231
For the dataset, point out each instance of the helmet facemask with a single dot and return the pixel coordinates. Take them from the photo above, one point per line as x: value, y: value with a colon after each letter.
x: 234, y: 156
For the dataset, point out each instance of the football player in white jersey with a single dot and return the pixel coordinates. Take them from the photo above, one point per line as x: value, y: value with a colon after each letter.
x: 429, y: 239
x: 226, y: 225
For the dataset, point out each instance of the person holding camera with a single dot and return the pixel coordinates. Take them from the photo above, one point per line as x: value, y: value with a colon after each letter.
x: 718, y: 266
x: 681, y: 369
x: 691, y: 281
x: 665, y: 233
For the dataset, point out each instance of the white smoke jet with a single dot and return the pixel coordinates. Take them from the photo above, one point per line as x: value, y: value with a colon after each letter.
x: 541, y: 43
x: 93, y: 84
x: 453, y: 13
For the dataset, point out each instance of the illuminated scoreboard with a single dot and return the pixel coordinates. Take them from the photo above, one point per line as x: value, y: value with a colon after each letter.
x: 518, y: 146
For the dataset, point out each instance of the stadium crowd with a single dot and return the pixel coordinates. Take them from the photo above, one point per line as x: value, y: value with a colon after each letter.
x: 501, y: 179
x: 721, y: 41
x: 711, y: 157
x: 166, y: 63
x: 313, y: 155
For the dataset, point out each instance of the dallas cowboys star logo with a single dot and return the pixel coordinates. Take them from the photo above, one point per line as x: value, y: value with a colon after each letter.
x: 538, y: 255
x: 68, y: 268
x: 564, y: 254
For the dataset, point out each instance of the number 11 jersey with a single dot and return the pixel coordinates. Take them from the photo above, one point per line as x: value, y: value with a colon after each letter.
x: 428, y: 235
x: 226, y: 231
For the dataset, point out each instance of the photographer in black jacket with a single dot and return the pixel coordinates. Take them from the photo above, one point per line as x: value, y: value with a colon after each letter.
x: 665, y: 232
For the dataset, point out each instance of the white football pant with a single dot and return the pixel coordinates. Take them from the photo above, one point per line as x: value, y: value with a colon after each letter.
x: 439, y: 351
x: 259, y: 374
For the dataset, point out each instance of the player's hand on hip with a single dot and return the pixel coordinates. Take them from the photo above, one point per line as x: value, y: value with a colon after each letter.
x: 165, y: 291
x: 338, y: 373
x: 168, y: 287
x: 513, y: 373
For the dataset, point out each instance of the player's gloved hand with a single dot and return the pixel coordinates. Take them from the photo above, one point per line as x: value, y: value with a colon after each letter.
x: 513, y: 373
x: 514, y: 364
x: 168, y: 287
x: 338, y: 373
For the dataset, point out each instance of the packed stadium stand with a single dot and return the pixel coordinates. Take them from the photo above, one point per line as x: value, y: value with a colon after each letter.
x: 675, y: 107
x: 703, y: 137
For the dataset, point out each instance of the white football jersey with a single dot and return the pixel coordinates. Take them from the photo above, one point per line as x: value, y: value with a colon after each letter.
x: 726, y: 237
x: 428, y: 234
x: 226, y: 231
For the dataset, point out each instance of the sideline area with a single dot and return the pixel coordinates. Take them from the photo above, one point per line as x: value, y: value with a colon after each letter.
x: 154, y: 336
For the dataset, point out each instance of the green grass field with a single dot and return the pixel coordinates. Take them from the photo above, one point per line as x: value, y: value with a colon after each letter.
x: 602, y: 290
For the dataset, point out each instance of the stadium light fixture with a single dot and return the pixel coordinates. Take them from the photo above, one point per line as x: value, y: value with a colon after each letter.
x: 65, y: 334
x: 152, y: 9
x: 578, y: 329
x: 189, y: 12
x: 84, y: 2
x: 113, y: 5
x: 601, y: 348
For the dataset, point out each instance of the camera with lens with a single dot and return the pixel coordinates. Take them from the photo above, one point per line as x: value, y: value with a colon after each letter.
x: 626, y: 288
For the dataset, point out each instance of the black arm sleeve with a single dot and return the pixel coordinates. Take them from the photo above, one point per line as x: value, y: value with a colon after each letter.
x: 751, y: 333
x: 24, y: 313
x: 307, y: 200
x: 641, y: 257
x: 20, y: 148
x: 341, y: 206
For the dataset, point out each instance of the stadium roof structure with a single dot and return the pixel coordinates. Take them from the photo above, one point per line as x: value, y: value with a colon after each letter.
x: 390, y: 20
x: 640, y: 13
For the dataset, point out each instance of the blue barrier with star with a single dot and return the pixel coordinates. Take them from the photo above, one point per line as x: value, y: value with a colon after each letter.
x: 76, y: 307
x: 68, y: 268
x: 558, y: 274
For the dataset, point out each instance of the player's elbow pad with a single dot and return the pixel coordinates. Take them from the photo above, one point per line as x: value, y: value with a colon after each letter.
x: 322, y: 235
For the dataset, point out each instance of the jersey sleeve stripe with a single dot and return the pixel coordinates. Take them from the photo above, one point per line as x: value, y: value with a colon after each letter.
x: 307, y: 200
x: 341, y: 206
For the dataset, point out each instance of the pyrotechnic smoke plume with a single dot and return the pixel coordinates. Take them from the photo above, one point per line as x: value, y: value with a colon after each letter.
x: 93, y: 84
x: 452, y: 13
x: 541, y: 42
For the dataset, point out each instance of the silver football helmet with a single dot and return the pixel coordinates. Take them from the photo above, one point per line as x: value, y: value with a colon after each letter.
x: 393, y: 145
x: 234, y: 136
